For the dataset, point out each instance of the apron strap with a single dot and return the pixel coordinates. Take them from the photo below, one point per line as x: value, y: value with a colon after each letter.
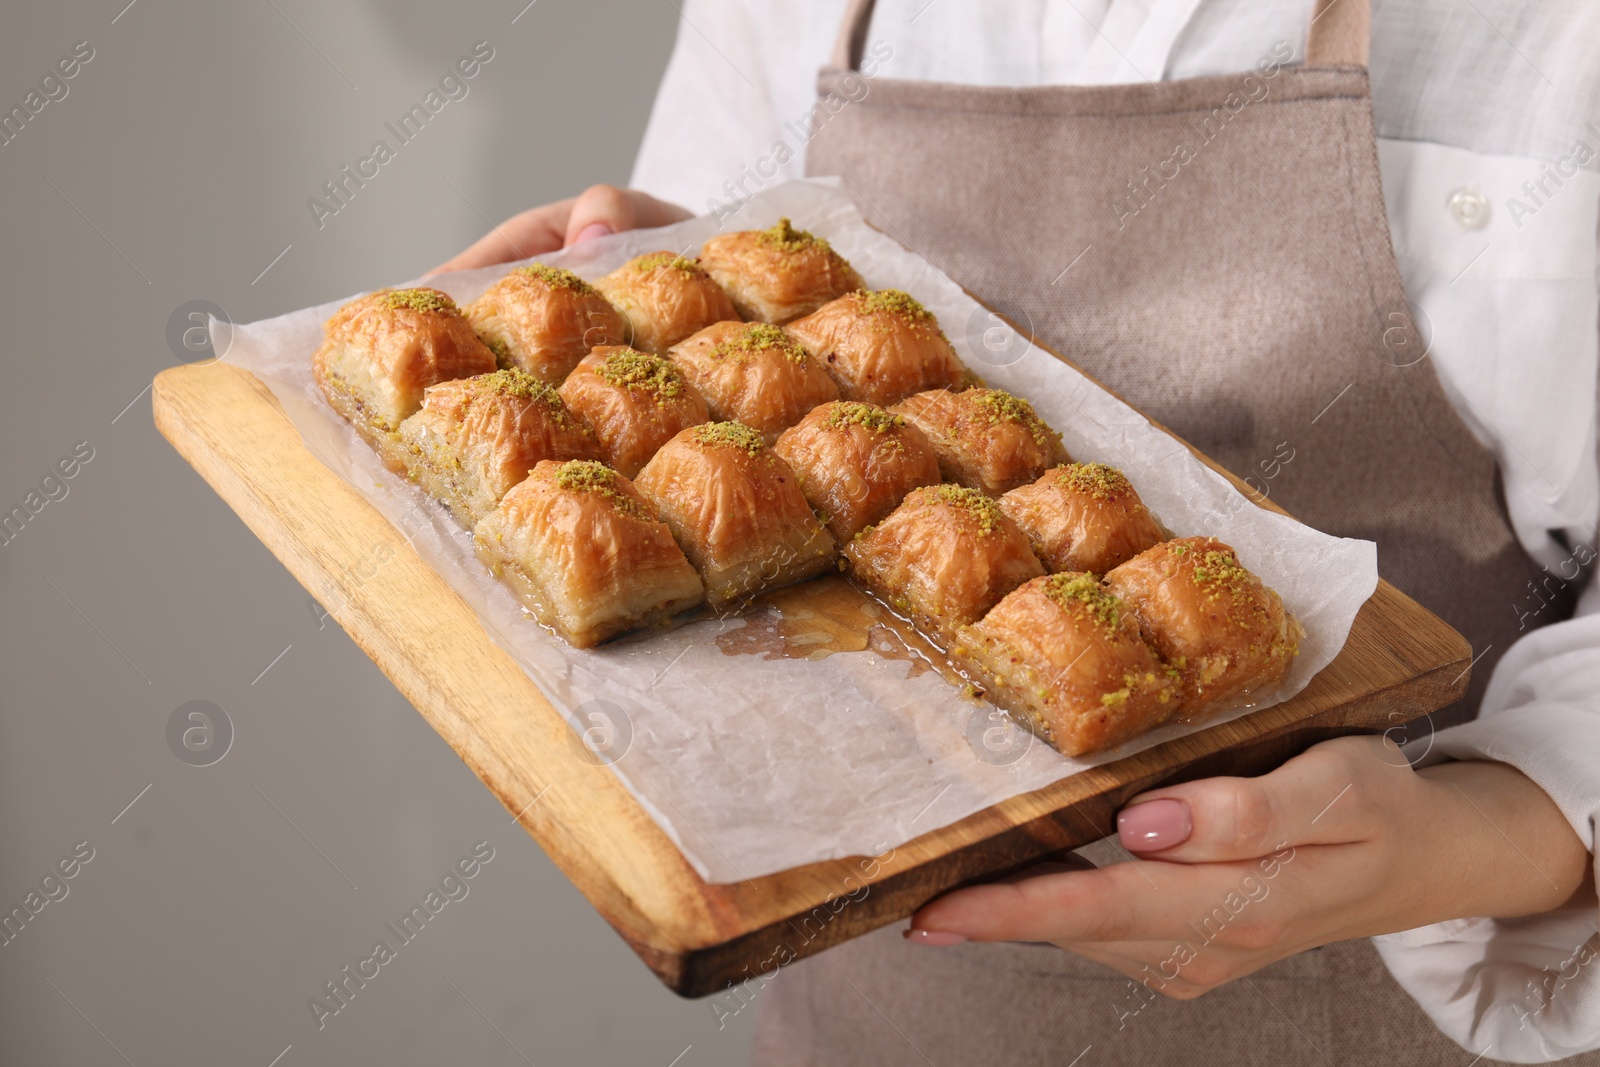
x: 1340, y: 33
x: 1338, y: 36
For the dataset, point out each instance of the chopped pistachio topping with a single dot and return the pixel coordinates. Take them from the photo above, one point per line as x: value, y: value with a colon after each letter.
x: 759, y: 337
x: 1094, y: 479
x: 1222, y: 568
x: 899, y: 303
x: 632, y: 369
x: 512, y: 381
x: 785, y: 237
x: 1000, y: 406
x: 973, y: 501
x: 555, y: 277
x: 592, y: 476
x: 729, y: 435
x: 418, y: 300
x: 869, y: 416
x: 1085, y: 589
x: 1115, y: 699
x: 665, y: 260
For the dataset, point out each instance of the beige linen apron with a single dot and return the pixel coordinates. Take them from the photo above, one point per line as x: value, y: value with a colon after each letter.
x: 1216, y: 251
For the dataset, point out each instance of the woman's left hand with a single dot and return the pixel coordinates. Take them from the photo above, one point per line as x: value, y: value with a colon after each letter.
x: 1343, y: 841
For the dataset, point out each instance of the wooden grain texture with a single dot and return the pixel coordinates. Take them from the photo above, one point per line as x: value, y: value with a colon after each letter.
x: 1399, y: 663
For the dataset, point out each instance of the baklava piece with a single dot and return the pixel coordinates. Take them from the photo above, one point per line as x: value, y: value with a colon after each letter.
x: 943, y: 558
x: 1065, y: 656
x: 778, y: 274
x: 636, y: 402
x: 737, y: 510
x: 585, y: 553
x: 754, y: 373
x: 1219, y: 625
x: 986, y: 438
x: 857, y: 462
x: 664, y: 297
x: 1083, y: 517
x: 544, y: 320
x: 380, y: 352
x: 477, y: 437
x: 881, y: 347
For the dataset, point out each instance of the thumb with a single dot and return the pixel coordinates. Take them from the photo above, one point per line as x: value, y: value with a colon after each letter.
x: 1319, y: 797
x: 604, y: 209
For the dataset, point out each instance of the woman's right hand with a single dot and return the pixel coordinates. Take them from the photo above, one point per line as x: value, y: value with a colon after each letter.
x: 597, y: 211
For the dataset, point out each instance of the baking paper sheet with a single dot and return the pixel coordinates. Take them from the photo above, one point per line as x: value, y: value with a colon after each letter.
x: 753, y: 765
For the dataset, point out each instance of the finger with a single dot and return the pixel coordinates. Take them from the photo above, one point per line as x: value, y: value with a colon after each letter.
x: 603, y: 209
x: 1329, y: 794
x: 531, y: 233
x: 1137, y: 901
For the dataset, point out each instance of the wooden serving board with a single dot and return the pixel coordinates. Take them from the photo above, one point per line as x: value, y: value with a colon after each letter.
x: 1399, y: 663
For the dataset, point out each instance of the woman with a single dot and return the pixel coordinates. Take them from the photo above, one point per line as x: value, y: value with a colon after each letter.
x: 1188, y: 198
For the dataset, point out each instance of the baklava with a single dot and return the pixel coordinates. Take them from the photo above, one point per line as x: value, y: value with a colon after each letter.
x: 986, y: 438
x: 636, y: 402
x: 881, y: 347
x: 379, y: 354
x: 754, y: 373
x: 857, y: 462
x: 664, y: 297
x: 737, y: 510
x: 1083, y: 517
x: 777, y: 274
x: 477, y: 437
x: 1218, y: 624
x: 544, y: 320
x: 586, y: 554
x: 1064, y: 655
x: 943, y: 558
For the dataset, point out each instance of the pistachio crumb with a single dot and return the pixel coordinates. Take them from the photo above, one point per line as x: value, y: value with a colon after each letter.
x: 1098, y: 480
x: 632, y: 369
x: 668, y: 260
x: 729, y: 435
x: 1001, y: 406
x: 869, y: 416
x: 973, y: 501
x: 418, y: 300
x: 785, y: 237
x: 760, y: 337
x: 555, y: 277
x: 592, y: 476
x: 1081, y: 588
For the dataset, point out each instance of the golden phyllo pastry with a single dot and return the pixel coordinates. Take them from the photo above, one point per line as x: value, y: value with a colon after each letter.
x: 1083, y: 517
x: 636, y: 402
x: 477, y: 437
x: 1065, y: 656
x: 737, y: 510
x: 986, y: 438
x: 881, y: 347
x: 664, y: 297
x: 1218, y: 624
x: 857, y: 462
x: 943, y: 558
x: 380, y: 352
x: 544, y: 320
x: 584, y: 551
x: 777, y: 274
x: 753, y: 373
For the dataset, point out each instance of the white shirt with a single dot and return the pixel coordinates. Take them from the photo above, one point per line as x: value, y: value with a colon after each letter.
x: 1487, y: 101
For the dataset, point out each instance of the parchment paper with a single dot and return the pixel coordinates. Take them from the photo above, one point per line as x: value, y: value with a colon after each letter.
x: 753, y: 765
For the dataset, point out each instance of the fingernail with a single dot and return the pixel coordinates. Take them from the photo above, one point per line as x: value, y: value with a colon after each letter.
x: 936, y: 938
x: 591, y: 231
x: 1154, y: 825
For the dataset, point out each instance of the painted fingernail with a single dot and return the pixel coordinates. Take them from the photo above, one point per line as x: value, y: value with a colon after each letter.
x: 936, y: 938
x: 591, y: 231
x: 1154, y: 825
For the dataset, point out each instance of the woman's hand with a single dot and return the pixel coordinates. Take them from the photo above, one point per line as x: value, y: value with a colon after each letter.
x: 599, y: 210
x: 1343, y: 841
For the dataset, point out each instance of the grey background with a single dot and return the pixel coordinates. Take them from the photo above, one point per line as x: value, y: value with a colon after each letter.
x: 216, y: 905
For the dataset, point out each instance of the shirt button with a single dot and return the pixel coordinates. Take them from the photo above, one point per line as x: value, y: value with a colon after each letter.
x: 1469, y: 208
